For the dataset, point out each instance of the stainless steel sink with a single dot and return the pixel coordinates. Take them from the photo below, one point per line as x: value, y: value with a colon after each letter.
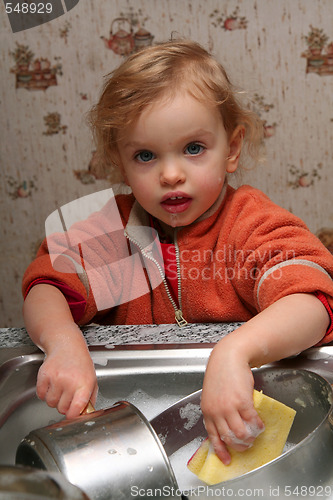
x: 152, y: 377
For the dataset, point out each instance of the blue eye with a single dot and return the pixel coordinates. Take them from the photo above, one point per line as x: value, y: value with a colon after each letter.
x: 144, y: 156
x: 194, y: 149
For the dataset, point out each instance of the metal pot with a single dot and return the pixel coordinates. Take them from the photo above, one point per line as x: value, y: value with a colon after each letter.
x: 303, y: 471
x: 110, y: 454
x: 25, y: 483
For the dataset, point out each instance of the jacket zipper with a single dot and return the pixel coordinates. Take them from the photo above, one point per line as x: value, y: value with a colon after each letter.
x: 180, y: 320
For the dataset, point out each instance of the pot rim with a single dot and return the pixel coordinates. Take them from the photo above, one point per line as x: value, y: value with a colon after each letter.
x: 295, y: 449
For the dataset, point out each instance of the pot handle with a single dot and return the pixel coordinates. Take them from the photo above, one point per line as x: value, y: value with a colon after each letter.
x: 88, y: 409
x: 121, y: 20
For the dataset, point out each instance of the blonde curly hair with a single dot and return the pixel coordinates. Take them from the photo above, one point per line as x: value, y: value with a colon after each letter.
x: 160, y: 71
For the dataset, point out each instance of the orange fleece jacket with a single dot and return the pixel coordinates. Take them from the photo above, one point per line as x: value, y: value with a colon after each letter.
x: 233, y: 263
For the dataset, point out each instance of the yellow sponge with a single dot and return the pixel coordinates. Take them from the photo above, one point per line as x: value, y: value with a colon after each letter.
x: 278, y: 419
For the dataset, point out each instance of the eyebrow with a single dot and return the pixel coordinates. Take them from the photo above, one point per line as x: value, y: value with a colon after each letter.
x: 200, y: 132
x: 191, y: 136
x: 132, y: 144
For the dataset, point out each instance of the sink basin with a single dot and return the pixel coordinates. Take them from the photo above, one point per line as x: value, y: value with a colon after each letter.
x: 152, y: 377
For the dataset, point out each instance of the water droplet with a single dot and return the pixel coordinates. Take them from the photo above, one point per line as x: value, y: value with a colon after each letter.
x: 59, y: 429
x: 91, y: 422
x: 131, y: 451
x: 112, y: 451
x: 150, y: 468
x: 174, y: 220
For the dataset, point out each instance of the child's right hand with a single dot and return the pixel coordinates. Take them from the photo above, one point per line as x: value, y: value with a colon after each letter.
x: 67, y: 380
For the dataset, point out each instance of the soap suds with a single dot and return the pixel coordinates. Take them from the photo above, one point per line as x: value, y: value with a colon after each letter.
x: 300, y: 402
x: 191, y: 413
x: 149, y: 405
x: 185, y: 478
x: 253, y: 431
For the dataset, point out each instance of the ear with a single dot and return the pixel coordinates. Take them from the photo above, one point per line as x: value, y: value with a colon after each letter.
x: 235, y: 147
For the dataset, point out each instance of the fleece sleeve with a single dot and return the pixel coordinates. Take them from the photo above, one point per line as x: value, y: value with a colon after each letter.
x: 75, y: 301
x: 275, y: 254
x: 95, y: 260
x: 85, y: 259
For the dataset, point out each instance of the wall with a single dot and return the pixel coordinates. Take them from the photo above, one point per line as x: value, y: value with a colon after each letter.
x: 281, y: 51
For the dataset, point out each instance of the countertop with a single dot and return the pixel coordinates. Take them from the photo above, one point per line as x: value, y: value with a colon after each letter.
x: 132, y: 334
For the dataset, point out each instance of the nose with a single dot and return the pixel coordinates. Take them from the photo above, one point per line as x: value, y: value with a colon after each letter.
x: 172, y: 173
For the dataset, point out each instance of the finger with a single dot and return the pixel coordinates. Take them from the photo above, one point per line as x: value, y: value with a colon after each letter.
x: 254, y: 423
x: 249, y: 414
x: 78, y: 403
x: 64, y: 403
x: 236, y: 444
x: 237, y: 436
x: 243, y: 434
x: 226, y: 431
x: 220, y: 449
x: 42, y: 385
x: 53, y: 396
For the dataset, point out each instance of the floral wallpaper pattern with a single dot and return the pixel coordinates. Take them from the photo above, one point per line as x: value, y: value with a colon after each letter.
x: 280, y: 53
x: 319, y: 54
x: 31, y: 73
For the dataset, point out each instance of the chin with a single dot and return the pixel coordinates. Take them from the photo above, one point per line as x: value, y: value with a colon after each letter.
x: 177, y: 221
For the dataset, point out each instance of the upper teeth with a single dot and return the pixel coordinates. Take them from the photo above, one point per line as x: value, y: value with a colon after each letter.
x: 176, y: 197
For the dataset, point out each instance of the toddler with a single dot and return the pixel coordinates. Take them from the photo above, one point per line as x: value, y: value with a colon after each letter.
x: 200, y: 251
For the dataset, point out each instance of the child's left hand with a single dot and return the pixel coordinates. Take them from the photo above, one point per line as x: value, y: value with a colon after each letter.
x: 288, y: 326
x: 227, y: 402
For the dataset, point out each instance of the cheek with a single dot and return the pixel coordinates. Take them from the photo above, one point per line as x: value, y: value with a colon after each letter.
x: 213, y: 182
x: 141, y: 188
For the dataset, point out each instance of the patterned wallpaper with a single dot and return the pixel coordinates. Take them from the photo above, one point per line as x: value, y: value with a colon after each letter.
x: 280, y: 51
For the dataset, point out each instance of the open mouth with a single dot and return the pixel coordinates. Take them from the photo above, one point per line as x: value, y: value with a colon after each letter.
x: 176, y: 204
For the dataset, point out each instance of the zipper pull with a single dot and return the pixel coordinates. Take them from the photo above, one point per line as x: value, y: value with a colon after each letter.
x: 179, y: 318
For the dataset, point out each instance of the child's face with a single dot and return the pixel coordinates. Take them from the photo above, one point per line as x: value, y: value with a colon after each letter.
x: 174, y: 157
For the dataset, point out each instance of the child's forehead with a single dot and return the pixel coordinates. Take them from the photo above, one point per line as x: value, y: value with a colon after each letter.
x: 137, y: 95
x: 178, y: 115
x: 185, y: 92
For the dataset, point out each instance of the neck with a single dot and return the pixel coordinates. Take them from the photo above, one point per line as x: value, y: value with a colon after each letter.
x: 215, y: 205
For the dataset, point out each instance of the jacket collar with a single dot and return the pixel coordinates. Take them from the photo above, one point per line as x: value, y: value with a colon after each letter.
x: 138, y: 228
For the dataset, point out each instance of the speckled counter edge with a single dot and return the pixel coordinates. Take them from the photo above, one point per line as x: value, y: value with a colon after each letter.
x: 132, y: 334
